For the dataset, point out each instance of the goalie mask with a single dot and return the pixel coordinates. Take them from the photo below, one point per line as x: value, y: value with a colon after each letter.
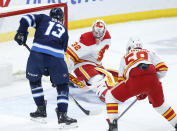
x: 134, y: 43
x: 99, y: 29
x: 57, y: 14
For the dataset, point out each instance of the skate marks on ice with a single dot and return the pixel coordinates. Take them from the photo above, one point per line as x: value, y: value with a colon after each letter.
x: 142, y: 117
x: 15, y: 110
x: 50, y: 123
x: 39, y: 120
x: 88, y: 100
x: 167, y: 46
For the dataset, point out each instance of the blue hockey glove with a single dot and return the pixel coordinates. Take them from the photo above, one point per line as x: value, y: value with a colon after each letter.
x: 46, y: 72
x: 21, y: 38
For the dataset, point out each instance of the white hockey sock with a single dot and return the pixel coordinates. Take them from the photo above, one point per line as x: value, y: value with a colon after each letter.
x: 112, y: 106
x: 168, y: 113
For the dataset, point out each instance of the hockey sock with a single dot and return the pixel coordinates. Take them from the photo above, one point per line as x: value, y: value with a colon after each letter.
x: 112, y: 111
x: 62, y: 98
x: 111, y: 106
x: 168, y: 113
x: 37, y: 92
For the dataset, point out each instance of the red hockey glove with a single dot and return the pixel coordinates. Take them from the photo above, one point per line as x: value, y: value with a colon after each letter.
x: 141, y: 97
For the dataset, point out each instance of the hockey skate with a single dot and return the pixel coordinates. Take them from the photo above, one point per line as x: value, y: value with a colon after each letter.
x: 40, y: 114
x: 64, y: 121
x: 176, y: 127
x: 112, y: 126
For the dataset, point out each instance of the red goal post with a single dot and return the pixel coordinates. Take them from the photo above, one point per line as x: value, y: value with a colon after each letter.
x: 40, y: 8
x: 10, y: 17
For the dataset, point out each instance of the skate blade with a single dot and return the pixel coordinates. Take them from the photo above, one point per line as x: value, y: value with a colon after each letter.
x: 115, y: 129
x: 63, y: 126
x: 39, y: 120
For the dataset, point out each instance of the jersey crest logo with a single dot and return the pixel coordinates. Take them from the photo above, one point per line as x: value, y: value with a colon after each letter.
x: 99, y: 24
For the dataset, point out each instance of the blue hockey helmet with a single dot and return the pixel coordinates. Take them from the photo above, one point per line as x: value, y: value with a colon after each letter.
x: 57, y: 13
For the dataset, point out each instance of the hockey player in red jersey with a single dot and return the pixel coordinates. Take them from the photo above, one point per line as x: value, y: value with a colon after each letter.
x: 87, y: 55
x: 141, y: 70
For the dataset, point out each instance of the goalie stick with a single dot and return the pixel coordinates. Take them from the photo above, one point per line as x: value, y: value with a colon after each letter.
x: 79, y: 84
x: 87, y: 112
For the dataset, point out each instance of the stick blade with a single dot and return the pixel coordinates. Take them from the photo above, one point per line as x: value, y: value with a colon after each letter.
x: 95, y: 112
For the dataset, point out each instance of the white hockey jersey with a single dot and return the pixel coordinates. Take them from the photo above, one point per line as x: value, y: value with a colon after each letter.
x: 137, y: 56
x: 88, y: 50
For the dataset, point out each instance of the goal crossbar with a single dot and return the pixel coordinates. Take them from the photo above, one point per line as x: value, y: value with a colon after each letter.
x: 24, y: 11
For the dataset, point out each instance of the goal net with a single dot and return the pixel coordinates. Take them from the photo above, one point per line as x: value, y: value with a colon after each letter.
x: 10, y: 52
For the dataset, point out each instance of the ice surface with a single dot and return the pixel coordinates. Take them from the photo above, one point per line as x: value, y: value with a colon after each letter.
x: 16, y: 100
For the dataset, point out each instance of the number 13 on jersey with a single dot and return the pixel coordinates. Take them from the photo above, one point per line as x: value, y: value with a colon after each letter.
x: 58, y: 33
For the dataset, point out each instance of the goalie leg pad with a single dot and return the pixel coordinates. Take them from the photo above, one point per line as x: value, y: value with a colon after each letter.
x: 86, y: 72
x: 98, y: 84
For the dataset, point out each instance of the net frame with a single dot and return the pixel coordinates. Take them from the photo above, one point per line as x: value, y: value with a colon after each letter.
x: 2, y: 4
x: 20, y: 74
x: 40, y: 8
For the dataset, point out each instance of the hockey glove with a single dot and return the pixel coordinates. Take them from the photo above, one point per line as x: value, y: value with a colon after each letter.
x: 141, y: 97
x: 46, y: 72
x: 54, y: 85
x: 21, y: 38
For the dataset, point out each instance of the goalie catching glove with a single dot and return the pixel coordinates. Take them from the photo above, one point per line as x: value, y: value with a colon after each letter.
x: 21, y: 38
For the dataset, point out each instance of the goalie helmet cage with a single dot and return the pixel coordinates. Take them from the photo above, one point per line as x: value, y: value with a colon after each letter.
x: 9, y: 22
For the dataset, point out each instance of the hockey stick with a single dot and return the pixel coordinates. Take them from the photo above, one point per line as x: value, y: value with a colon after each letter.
x: 87, y: 112
x: 78, y: 83
x: 127, y: 109
x: 27, y: 47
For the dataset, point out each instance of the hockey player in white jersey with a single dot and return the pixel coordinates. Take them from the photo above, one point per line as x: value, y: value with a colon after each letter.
x: 86, y: 55
x: 141, y: 70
